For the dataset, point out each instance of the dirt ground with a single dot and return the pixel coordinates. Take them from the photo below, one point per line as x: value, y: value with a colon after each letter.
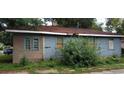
x: 119, y: 71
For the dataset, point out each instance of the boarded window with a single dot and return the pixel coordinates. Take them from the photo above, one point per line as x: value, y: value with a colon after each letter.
x: 59, y: 43
x: 35, y: 43
x: 92, y: 41
x: 111, y: 44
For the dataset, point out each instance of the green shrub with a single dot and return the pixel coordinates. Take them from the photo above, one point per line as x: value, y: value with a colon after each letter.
x: 102, y: 60
x: 108, y: 60
x: 24, y: 61
x: 5, y: 58
x: 112, y: 59
x: 79, y: 52
x: 1, y: 48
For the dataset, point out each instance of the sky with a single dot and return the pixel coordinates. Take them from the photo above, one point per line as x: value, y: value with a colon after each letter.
x: 102, y: 20
x: 99, y: 20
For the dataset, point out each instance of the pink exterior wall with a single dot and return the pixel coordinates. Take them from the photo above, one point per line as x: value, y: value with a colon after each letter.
x: 19, y: 51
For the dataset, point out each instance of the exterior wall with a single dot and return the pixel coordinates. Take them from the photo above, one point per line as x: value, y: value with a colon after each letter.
x: 122, y: 43
x: 47, y: 47
x: 50, y: 48
x: 101, y: 42
x: 103, y: 45
x: 19, y: 51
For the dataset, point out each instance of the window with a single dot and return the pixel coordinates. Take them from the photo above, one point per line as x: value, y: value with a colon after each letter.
x: 27, y: 43
x: 111, y: 44
x: 31, y: 43
x: 59, y: 42
x: 93, y: 41
x: 35, y: 43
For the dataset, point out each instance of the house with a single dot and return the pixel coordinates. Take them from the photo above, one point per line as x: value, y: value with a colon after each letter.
x: 43, y: 42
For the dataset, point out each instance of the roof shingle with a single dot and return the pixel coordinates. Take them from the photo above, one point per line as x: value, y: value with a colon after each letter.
x: 58, y: 29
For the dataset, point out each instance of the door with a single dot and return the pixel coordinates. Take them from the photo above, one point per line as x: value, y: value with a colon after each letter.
x: 50, y: 47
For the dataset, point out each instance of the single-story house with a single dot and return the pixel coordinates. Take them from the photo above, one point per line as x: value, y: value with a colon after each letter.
x: 43, y: 42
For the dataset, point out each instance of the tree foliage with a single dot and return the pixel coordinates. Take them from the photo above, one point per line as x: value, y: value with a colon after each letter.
x: 121, y: 29
x: 79, y: 52
x: 73, y: 22
x: 97, y: 26
x: 115, y: 24
x: 6, y: 38
x: 22, y: 21
x: 76, y: 22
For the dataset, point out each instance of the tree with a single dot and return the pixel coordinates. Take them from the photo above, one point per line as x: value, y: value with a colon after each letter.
x: 73, y: 22
x: 114, y: 24
x: 6, y: 38
x: 76, y: 22
x: 97, y: 26
x: 22, y: 21
x: 120, y: 29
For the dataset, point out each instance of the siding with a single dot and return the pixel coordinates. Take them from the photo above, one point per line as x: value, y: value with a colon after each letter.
x: 50, y: 47
x: 101, y: 42
x: 19, y: 52
x: 103, y: 45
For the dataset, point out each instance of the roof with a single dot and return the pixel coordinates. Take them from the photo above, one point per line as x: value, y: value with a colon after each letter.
x: 56, y: 30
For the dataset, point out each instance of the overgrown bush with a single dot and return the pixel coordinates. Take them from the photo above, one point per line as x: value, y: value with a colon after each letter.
x: 79, y: 52
x: 109, y: 60
x: 112, y: 59
x: 24, y: 61
x: 5, y: 58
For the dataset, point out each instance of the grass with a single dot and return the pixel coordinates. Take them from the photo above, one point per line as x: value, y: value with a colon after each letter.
x: 54, y: 66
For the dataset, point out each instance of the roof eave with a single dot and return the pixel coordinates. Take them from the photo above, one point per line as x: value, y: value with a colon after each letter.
x: 58, y: 33
x: 101, y: 35
x: 35, y: 32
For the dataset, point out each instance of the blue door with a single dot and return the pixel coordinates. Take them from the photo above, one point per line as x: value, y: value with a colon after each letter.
x: 50, y: 47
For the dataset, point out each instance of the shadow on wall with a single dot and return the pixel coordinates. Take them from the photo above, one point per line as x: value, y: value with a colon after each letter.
x: 122, y: 51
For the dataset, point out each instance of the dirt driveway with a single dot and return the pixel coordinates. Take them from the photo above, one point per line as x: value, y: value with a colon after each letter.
x: 118, y: 71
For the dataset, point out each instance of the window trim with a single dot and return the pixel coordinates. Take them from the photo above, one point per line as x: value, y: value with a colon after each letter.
x: 33, y: 43
x: 31, y: 38
x: 25, y: 48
